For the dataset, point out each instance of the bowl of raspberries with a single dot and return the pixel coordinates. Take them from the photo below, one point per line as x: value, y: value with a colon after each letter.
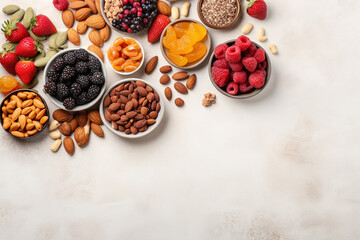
x: 74, y: 79
x: 239, y: 68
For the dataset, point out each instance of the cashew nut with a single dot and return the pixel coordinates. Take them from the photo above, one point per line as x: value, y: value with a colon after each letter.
x: 175, y: 13
x: 261, y: 35
x: 185, y: 9
x: 55, y: 145
x: 247, y: 28
x: 273, y: 49
x: 55, y: 134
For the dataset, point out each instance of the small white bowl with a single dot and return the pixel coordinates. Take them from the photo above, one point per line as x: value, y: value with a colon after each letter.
x: 142, y: 61
x: 58, y: 103
x: 139, y: 134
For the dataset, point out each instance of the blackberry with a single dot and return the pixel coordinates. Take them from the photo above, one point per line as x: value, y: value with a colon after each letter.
x: 82, y: 55
x: 62, y: 91
x: 97, y: 78
x: 50, y: 88
x: 59, y: 64
x: 81, y: 99
x: 83, y: 81
x: 68, y: 73
x: 70, y: 58
x: 94, y: 64
x: 53, y: 76
x: 69, y: 103
x: 75, y: 89
x: 93, y: 92
x: 82, y: 67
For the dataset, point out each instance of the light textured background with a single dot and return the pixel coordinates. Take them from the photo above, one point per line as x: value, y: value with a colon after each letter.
x: 283, y: 165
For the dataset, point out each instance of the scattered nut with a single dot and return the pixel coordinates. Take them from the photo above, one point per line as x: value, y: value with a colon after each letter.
x: 247, y: 28
x: 261, y: 35
x: 55, y: 134
x: 209, y: 99
x: 185, y: 9
x: 175, y: 13
x: 55, y: 145
x: 273, y: 49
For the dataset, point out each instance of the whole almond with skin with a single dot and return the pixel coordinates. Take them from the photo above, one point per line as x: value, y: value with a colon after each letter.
x: 180, y: 75
x: 94, y: 37
x: 97, y: 130
x: 62, y: 115
x: 73, y: 124
x: 168, y: 93
x: 179, y: 102
x: 82, y: 135
x: 105, y: 33
x: 95, y: 21
x: 151, y: 64
x: 180, y: 88
x: 77, y: 5
x: 164, y: 8
x: 91, y: 5
x: 73, y: 36
x: 165, y: 69
x: 69, y: 145
x: 164, y: 79
x: 81, y: 27
x: 82, y: 14
x: 81, y: 118
x: 94, y: 117
x: 95, y: 49
x: 140, y: 123
x: 68, y: 18
x: 129, y: 105
x: 64, y: 128
x: 150, y: 121
x: 190, y: 83
x: 97, y: 4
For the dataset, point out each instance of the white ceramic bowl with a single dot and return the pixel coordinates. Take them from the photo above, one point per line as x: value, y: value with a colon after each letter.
x: 142, y: 61
x: 58, y: 103
x: 139, y: 134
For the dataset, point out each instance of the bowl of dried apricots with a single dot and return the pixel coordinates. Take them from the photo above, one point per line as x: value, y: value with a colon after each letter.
x: 185, y: 43
x: 126, y: 55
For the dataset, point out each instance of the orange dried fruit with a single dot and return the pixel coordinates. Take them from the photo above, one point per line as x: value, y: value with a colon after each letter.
x: 130, y: 53
x: 130, y: 68
x: 181, y: 28
x: 112, y: 54
x: 118, y: 41
x: 182, y: 45
x: 196, y: 33
x: 198, y: 52
x: 129, y: 41
x: 138, y: 57
x: 170, y: 36
x: 177, y: 59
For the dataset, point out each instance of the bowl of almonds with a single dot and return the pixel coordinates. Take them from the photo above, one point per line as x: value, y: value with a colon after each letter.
x: 132, y: 108
x: 24, y: 114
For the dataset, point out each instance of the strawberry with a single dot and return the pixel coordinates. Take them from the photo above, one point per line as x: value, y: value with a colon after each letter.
x: 27, y: 47
x: 257, y: 9
x: 42, y: 26
x: 26, y: 71
x: 14, y: 31
x: 159, y: 24
x: 8, y: 60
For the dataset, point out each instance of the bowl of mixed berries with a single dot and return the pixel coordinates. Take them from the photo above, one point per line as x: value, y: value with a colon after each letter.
x: 74, y: 79
x: 129, y: 16
x: 239, y: 68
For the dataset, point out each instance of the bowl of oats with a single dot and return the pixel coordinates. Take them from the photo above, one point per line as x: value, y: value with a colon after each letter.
x: 219, y: 14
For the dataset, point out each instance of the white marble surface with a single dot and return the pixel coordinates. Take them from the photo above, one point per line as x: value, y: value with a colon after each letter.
x: 283, y: 165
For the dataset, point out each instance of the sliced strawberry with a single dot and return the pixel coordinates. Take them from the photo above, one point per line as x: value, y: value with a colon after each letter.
x: 14, y: 31
x: 8, y: 60
x: 157, y: 27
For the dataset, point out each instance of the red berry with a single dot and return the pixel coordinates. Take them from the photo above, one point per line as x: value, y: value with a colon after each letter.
x: 139, y: 9
x: 130, y: 30
x: 26, y: 71
x: 240, y: 77
x: 236, y: 66
x: 220, y: 76
x: 257, y: 79
x: 262, y: 65
x: 14, y: 32
x: 157, y: 27
x: 249, y: 63
x: 259, y: 55
x: 121, y: 15
x: 8, y: 60
x: 60, y: 4
x: 126, y: 12
x: 133, y: 10
x: 27, y: 47
x: 220, y: 51
x: 251, y: 51
x: 125, y: 2
x: 243, y: 42
x: 233, y: 54
x: 42, y: 26
x: 232, y: 88
x: 245, y: 88
x: 221, y: 63
x: 131, y: 1
x: 139, y: 14
x: 257, y: 9
x: 136, y: 4
x: 145, y: 20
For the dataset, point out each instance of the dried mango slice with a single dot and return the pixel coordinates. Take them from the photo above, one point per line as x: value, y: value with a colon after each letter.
x: 181, y: 28
x: 198, y: 52
x: 181, y: 46
x: 177, y: 59
x: 170, y: 36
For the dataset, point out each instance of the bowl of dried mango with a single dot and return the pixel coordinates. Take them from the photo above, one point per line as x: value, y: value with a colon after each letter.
x: 185, y: 43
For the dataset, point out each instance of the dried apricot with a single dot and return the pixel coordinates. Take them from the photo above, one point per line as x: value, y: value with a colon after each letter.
x: 196, y: 33
x: 118, y: 41
x: 131, y: 53
x: 181, y: 46
x: 181, y: 28
x: 112, y: 54
x: 138, y: 57
x: 125, y: 53
x: 130, y: 68
x: 198, y: 52
x: 117, y: 64
x: 129, y: 41
x: 177, y: 59
x: 170, y: 36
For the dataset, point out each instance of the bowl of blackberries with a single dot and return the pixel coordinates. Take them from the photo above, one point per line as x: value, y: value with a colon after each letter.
x: 129, y: 16
x: 75, y: 79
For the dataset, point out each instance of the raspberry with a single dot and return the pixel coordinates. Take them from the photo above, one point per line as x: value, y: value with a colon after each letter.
x: 250, y: 51
x: 60, y: 4
x: 257, y: 79
x: 243, y: 42
x: 262, y: 65
x: 231, y: 75
x: 249, y: 63
x: 220, y: 51
x: 245, y: 88
x: 236, y: 67
x: 240, y: 77
x: 232, y: 88
x: 220, y: 76
x: 233, y: 54
x: 259, y: 55
x: 221, y: 63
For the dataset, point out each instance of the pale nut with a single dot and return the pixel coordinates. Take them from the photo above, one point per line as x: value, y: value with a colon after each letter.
x: 261, y: 35
x: 247, y: 28
x: 55, y: 145
x: 175, y: 13
x: 55, y: 134
x: 273, y: 49
x: 54, y: 125
x: 185, y: 9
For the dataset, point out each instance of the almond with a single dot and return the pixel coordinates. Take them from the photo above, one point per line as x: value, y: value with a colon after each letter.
x: 82, y: 135
x: 140, y: 123
x: 82, y: 14
x: 77, y: 5
x: 68, y: 18
x: 73, y: 124
x: 180, y: 75
x: 129, y: 105
x: 95, y: 21
x: 190, y: 83
x: 73, y: 36
x: 164, y: 79
x: 150, y: 121
x: 180, y: 88
x: 179, y: 102
x: 165, y: 69
x: 94, y: 117
x: 81, y: 27
x: 97, y: 130
x: 168, y: 93
x: 62, y: 115
x: 97, y: 4
x: 91, y: 5
x: 69, y: 145
x: 151, y: 64
x: 105, y: 33
x: 164, y: 8
x: 94, y: 37
x: 64, y: 128
x: 95, y: 49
